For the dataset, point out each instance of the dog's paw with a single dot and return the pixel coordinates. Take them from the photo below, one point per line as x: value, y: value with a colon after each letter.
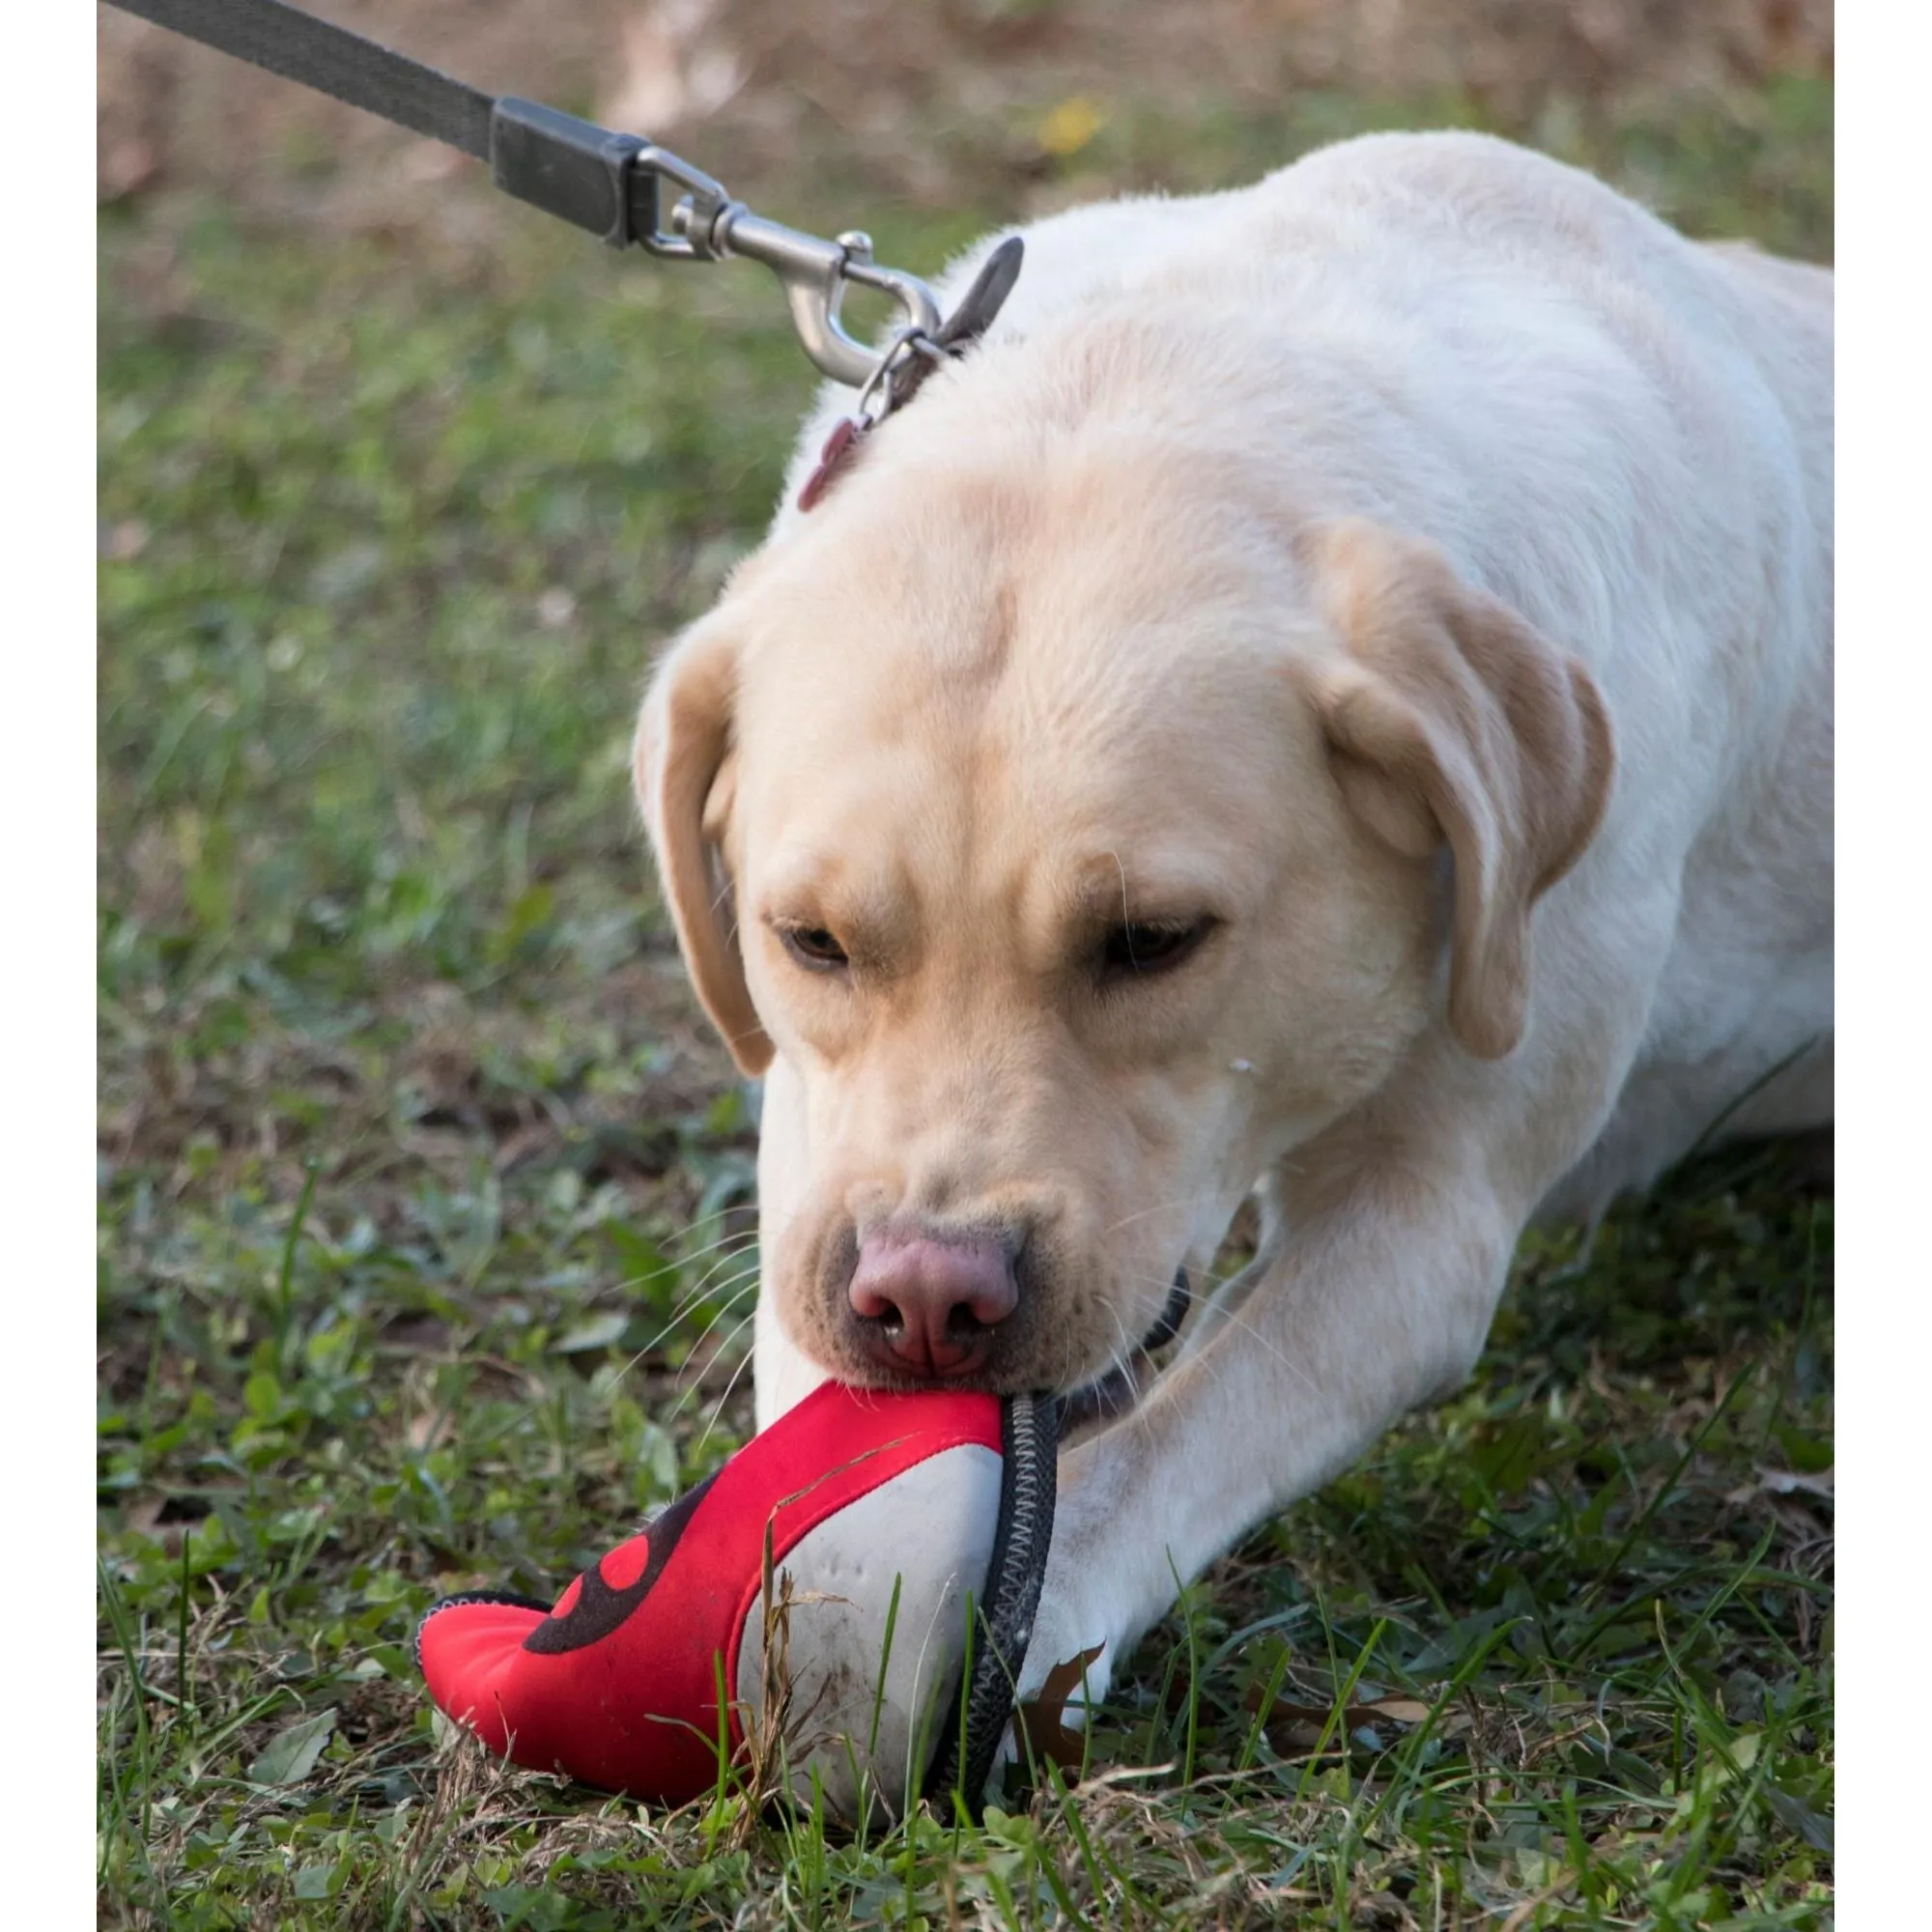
x: 1108, y: 1578
x: 1068, y: 1666
x: 1055, y: 1698
x: 1080, y: 1627
x: 1071, y: 1658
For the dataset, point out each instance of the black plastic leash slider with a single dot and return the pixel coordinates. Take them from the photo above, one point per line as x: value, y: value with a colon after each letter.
x: 570, y: 168
x: 602, y: 181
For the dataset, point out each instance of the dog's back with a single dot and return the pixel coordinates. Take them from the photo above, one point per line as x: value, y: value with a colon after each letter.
x: 1627, y: 433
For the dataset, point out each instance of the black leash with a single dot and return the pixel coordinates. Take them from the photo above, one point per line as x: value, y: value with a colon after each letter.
x: 627, y: 191
x: 332, y: 60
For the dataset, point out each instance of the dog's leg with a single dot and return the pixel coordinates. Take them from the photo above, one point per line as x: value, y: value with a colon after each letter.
x: 1233, y: 1294
x: 1379, y: 1301
x: 784, y: 1375
x: 1396, y: 1226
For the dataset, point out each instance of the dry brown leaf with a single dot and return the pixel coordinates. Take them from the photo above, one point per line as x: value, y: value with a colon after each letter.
x: 1401, y: 1710
x: 1392, y: 1709
x: 1299, y: 1727
x: 144, y: 1516
x: 1042, y: 1723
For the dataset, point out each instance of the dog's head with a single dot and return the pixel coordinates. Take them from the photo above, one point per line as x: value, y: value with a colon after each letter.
x: 1083, y: 843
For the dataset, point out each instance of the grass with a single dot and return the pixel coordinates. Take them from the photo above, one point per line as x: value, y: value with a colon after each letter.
x: 424, y: 1236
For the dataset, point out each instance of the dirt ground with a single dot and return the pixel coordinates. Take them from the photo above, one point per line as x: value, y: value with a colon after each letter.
x: 930, y: 101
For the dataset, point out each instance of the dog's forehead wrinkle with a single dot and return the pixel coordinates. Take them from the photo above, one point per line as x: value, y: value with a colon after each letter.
x: 1123, y: 884
x: 993, y: 816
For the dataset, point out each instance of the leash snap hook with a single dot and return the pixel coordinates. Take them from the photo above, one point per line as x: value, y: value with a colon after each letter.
x: 704, y: 223
x: 815, y: 274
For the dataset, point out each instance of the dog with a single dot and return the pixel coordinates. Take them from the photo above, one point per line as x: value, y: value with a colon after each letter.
x: 1330, y: 702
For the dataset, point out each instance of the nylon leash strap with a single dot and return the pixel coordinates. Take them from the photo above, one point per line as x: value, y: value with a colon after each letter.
x: 626, y: 190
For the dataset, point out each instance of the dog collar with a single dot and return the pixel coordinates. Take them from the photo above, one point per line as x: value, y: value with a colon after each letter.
x: 912, y: 358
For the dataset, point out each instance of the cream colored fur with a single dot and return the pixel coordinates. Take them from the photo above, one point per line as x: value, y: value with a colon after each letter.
x: 1421, y: 562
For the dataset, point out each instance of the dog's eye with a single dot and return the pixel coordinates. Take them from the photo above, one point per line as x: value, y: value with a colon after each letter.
x: 813, y: 947
x: 1152, y: 946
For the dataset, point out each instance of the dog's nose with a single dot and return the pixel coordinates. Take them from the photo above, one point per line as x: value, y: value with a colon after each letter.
x: 928, y: 1305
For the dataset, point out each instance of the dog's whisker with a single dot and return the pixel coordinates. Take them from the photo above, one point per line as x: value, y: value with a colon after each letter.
x: 724, y: 1344
x: 733, y: 1292
x: 683, y: 1262
x: 719, y: 1255
x: 735, y: 1237
x: 1213, y: 1365
x: 729, y: 1246
x: 1202, y: 1195
x: 727, y: 1294
x: 718, y: 1407
x: 725, y: 1262
x: 729, y: 1258
x: 688, y: 1302
x: 1102, y: 1394
x: 1238, y: 1317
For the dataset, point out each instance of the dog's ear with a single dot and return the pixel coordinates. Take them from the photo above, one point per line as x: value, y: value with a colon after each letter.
x: 1449, y: 717
x: 686, y: 775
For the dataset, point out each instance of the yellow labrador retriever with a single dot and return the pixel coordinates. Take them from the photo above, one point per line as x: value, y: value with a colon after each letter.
x: 1332, y: 701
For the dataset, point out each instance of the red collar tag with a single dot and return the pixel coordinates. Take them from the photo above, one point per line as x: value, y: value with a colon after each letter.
x: 840, y: 447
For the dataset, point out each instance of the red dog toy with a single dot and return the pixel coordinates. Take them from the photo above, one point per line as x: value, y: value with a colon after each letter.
x: 886, y: 1513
